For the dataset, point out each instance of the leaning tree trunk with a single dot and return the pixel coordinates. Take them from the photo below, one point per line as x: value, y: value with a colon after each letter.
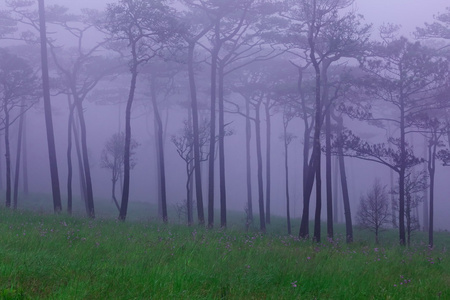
x: 160, y: 143
x: 48, y: 112
x: 19, y: 150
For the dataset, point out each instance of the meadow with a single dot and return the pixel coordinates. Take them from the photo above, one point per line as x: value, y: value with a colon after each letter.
x: 46, y: 256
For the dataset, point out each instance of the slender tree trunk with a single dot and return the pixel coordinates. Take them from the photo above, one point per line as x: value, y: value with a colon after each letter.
x: 69, y: 158
x: 223, y: 194
x: 335, y: 191
x: 268, y: 148
x: 48, y: 112
x: 7, y: 156
x: 195, y: 126
x: 84, y: 152
x: 82, y: 179
x: 212, y: 133
x: 25, y: 157
x: 402, y: 173
x: 345, y: 194
x: 426, y: 192
x: 127, y: 149
x: 262, y: 220
x: 159, y: 137
x: 431, y: 171
x: 189, y: 181
x: 113, y: 190
x: 19, y: 150
x: 308, y: 170
x: 317, y: 153
x: 248, y: 135
x: 328, y: 151
x: 158, y: 168
x: 286, y: 170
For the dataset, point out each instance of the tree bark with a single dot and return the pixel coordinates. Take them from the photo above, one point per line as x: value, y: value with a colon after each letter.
x: 69, y: 158
x: 248, y: 135
x: 48, y: 112
x: 195, y: 127
x: 268, y: 159
x: 84, y: 152
x: 328, y: 174
x: 7, y: 156
x: 212, y: 129
x: 18, y: 156
x: 160, y: 143
x: 223, y: 193
x: 25, y: 157
x: 127, y: 146
x: 262, y: 220
x: 345, y: 194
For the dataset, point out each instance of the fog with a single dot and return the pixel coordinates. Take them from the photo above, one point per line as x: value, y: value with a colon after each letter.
x: 105, y: 116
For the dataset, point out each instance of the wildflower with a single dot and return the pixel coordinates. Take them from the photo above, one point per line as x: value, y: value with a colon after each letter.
x: 294, y: 284
x: 375, y: 249
x: 308, y: 257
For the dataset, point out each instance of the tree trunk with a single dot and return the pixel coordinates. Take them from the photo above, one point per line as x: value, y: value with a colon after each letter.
x: 48, y: 112
x: 82, y: 179
x: 19, y: 150
x: 328, y: 151
x: 268, y: 148
x: 212, y: 132
x: 223, y: 194
x: 286, y: 170
x: 160, y: 143
x: 262, y: 220
x: 25, y: 156
x: 431, y: 170
x: 69, y: 158
x: 336, y: 218
x: 7, y: 156
x: 127, y: 146
x: 84, y: 152
x: 402, y: 173
x: 195, y: 127
x: 426, y: 192
x: 345, y: 194
x: 248, y: 135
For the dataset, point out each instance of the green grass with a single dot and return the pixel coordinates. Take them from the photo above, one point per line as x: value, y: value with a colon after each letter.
x: 45, y: 256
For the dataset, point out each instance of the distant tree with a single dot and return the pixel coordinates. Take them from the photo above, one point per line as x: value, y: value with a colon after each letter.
x: 19, y: 90
x: 373, y: 211
x: 145, y: 27
x: 112, y: 158
x: 184, y: 143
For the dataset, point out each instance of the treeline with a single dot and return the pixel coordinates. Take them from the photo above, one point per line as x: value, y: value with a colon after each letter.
x: 314, y: 60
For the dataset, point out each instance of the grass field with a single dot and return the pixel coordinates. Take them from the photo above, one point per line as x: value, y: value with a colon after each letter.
x: 43, y: 256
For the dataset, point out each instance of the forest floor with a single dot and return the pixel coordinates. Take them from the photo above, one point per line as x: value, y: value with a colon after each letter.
x: 46, y: 256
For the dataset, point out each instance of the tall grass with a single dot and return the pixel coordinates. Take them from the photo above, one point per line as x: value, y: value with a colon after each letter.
x: 60, y: 257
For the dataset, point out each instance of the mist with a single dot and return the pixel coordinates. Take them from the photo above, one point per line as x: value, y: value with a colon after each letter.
x: 277, y: 60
